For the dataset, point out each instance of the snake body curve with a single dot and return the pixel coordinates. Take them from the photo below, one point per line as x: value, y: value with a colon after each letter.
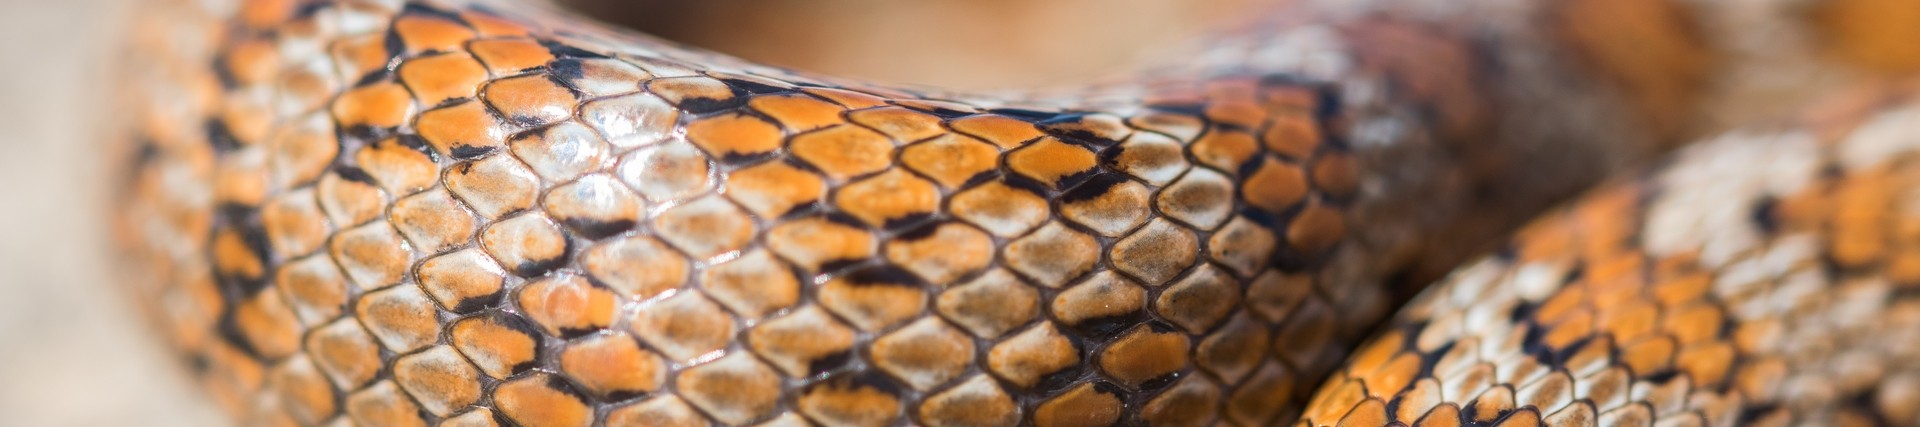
x: 443, y: 213
x: 1764, y: 277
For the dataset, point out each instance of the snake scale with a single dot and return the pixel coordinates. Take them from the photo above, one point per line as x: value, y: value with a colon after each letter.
x: 437, y: 212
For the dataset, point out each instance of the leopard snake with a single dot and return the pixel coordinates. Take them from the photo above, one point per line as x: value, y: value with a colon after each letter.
x: 494, y: 213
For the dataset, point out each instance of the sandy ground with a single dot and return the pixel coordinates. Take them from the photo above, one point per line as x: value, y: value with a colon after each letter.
x: 70, y: 355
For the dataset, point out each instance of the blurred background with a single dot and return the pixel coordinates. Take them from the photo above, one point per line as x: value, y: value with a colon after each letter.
x: 72, y: 354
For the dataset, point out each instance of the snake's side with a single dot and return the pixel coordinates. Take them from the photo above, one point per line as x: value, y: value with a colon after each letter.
x: 347, y: 212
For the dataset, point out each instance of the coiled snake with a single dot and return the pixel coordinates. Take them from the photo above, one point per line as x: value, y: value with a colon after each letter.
x: 435, y: 212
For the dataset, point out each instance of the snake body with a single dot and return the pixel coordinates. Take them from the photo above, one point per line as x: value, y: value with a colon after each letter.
x: 348, y: 212
x: 1764, y: 277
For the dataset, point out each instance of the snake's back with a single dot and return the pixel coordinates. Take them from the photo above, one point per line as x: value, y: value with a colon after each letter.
x: 345, y: 212
x: 404, y: 215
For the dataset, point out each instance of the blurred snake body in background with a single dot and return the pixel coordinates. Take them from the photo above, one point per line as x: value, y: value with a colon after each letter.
x: 387, y: 213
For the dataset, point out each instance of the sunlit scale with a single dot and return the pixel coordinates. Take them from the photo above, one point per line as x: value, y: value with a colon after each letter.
x: 449, y: 214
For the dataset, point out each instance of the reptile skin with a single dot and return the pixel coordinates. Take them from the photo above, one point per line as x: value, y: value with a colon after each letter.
x: 381, y: 213
x: 1765, y: 277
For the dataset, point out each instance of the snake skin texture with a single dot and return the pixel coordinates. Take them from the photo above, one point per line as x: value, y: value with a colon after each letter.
x: 1766, y: 277
x: 462, y: 214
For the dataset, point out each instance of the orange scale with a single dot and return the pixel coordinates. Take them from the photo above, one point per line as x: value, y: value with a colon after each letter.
x: 510, y: 56
x: 379, y: 105
x: 796, y: 112
x: 1627, y: 321
x: 797, y: 341
x: 1052, y: 162
x: 753, y: 285
x: 847, y: 98
x: 303, y: 390
x: 873, y: 300
x: 843, y: 152
x: 1023, y: 359
x: 666, y: 410
x: 706, y: 227
x: 1151, y: 157
x: 462, y: 130
x: 268, y: 325
x: 1083, y: 405
x: 1052, y: 255
x: 694, y: 93
x: 1336, y: 173
x: 1156, y: 252
x: 1108, y: 204
x: 527, y: 245
x: 772, y: 189
x: 1202, y: 198
x: 1143, y: 354
x: 1650, y: 354
x: 924, y: 354
x: 234, y: 257
x: 976, y: 401
x: 1238, y: 112
x: 1242, y: 246
x: 734, y: 135
x: 1570, y: 329
x: 462, y: 281
x: 313, y: 286
x: 401, y: 317
x: 252, y: 61
x: 841, y: 401
x: 265, y: 13
x: 355, y: 57
x: 1693, y: 324
x: 816, y: 242
x: 886, y: 199
x: 422, y: 33
x: 613, y: 365
x: 989, y: 305
x: 530, y: 100
x: 384, y: 404
x: 683, y: 327
x: 345, y: 352
x: 1263, y: 396
x: 1317, y: 228
x: 542, y: 400
x: 950, y: 251
x: 1103, y: 295
x: 950, y: 159
x: 735, y: 389
x: 1002, y: 131
x: 638, y: 266
x: 1102, y: 128
x: 1295, y: 136
x: 1234, y: 351
x: 372, y: 255
x: 499, y: 343
x: 439, y: 378
x: 438, y: 78
x: 567, y: 305
x: 1181, y: 127
x: 902, y: 124
x: 1276, y: 186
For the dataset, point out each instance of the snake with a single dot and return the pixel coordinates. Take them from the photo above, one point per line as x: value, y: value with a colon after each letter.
x: 498, y: 213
